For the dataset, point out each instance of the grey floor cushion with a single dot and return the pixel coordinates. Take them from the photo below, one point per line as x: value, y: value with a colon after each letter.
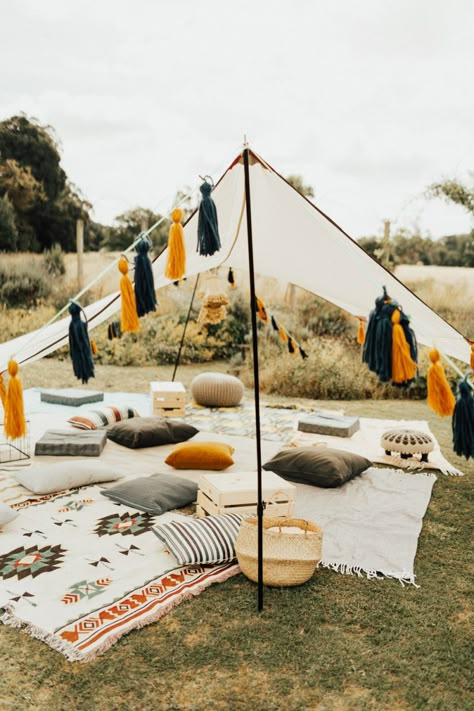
x: 154, y: 494
x: 71, y: 396
x: 82, y: 443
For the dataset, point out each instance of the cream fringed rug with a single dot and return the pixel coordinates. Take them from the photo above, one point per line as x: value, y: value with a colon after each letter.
x: 371, y: 524
x: 79, y: 571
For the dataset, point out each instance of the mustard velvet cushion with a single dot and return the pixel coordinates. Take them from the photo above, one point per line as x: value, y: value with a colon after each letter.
x: 201, y: 455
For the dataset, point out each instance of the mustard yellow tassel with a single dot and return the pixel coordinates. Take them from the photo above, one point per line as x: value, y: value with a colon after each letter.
x: 15, y: 425
x: 129, y: 317
x: 176, y: 263
x: 403, y: 366
x: 361, y: 332
x: 94, y: 348
x: 261, y: 310
x: 440, y: 396
x: 472, y: 356
x: 3, y: 391
x: 282, y: 333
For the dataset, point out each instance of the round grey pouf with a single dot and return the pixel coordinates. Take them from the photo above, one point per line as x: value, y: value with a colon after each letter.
x: 217, y: 390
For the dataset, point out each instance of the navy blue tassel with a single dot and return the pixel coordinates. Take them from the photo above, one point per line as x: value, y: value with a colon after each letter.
x: 274, y: 324
x: 230, y: 277
x: 369, y: 351
x: 303, y: 354
x: 208, y: 230
x: 144, y: 282
x: 463, y: 421
x: 80, y: 345
x: 114, y: 330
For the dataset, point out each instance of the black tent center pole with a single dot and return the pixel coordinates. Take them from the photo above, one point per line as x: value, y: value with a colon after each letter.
x: 176, y: 363
x: 253, y: 312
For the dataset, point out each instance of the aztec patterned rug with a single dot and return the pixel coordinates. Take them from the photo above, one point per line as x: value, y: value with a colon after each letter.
x: 78, y: 571
x: 277, y: 424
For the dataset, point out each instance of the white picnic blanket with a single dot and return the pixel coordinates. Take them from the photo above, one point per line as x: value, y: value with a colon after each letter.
x: 370, y: 524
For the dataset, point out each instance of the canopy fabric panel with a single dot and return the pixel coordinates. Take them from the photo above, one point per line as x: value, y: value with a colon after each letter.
x: 293, y: 241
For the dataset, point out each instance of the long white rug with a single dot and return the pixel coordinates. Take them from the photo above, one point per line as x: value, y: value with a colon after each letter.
x: 371, y: 524
x: 79, y: 571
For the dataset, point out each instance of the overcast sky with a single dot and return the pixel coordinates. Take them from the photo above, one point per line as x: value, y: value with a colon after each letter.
x: 369, y: 101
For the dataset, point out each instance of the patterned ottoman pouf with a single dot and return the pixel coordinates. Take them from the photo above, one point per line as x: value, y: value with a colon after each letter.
x: 407, y: 443
x: 217, y: 390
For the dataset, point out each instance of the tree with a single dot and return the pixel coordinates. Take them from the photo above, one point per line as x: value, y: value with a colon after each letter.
x: 20, y: 185
x: 46, y: 204
x: 131, y: 223
x: 8, y: 229
x: 297, y: 182
x: 31, y: 144
x: 453, y: 191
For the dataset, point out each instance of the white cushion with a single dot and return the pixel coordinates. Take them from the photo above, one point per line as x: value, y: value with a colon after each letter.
x: 7, y: 514
x: 58, y: 476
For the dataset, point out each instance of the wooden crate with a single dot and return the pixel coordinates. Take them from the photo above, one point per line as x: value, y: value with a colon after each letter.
x: 237, y: 493
x: 167, y: 398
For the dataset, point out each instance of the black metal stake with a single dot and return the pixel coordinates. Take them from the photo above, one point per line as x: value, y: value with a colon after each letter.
x: 253, y: 301
x: 178, y: 356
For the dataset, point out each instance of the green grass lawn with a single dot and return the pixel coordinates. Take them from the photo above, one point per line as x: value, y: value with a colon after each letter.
x: 337, y: 642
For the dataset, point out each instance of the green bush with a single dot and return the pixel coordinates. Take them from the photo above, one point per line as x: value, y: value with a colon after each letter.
x: 23, y: 285
x: 53, y: 261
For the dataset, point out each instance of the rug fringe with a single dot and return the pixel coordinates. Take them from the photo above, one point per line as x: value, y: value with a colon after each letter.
x: 346, y: 569
x: 418, y: 467
x: 73, y: 655
x: 8, y: 618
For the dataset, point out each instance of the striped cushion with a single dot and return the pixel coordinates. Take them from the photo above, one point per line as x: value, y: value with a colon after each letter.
x: 94, y: 419
x: 203, y: 540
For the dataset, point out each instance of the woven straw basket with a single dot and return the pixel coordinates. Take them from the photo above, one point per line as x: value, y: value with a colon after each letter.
x: 289, y: 558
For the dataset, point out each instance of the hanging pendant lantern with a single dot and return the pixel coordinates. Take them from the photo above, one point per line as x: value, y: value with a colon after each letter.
x: 214, y: 301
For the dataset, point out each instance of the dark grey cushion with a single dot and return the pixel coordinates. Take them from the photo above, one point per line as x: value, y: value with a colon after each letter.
x: 72, y: 443
x: 154, y: 494
x: 320, y: 466
x: 149, y: 432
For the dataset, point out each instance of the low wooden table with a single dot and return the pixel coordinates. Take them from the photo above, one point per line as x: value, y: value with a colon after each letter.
x: 237, y: 493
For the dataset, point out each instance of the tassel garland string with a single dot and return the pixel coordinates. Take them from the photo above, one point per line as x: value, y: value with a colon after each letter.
x: 97, y: 278
x: 292, y: 345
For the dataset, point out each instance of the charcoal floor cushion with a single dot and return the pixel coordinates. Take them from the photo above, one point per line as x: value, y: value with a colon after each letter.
x: 154, y: 494
x: 320, y: 466
x: 74, y: 443
x: 217, y: 390
x: 150, y: 432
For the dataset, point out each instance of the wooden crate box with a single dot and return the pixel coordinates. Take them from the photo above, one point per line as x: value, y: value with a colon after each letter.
x: 237, y: 493
x: 167, y: 398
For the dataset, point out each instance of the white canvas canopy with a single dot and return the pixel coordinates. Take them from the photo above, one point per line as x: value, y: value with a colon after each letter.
x: 294, y: 242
